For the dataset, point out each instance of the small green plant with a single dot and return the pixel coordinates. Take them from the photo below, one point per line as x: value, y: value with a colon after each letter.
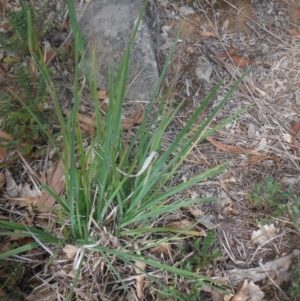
x: 10, y: 275
x: 294, y: 289
x: 204, y: 254
x: 15, y: 41
x: 279, y: 201
x: 26, y: 84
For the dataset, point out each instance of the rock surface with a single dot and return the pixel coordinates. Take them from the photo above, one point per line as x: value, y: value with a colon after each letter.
x: 111, y: 22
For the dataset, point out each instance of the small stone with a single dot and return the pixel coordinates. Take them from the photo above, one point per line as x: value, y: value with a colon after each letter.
x: 251, y: 131
x: 185, y: 10
x: 190, y: 49
x: 203, y: 70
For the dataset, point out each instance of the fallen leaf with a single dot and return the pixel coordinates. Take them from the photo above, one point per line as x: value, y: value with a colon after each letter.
x: 127, y: 124
x: 293, y: 133
x: 241, y: 61
x: 2, y: 180
x: 229, y: 148
x: 293, y: 31
x: 263, y: 234
x: 207, y: 34
x: 70, y: 251
x: 12, y: 189
x: 140, y: 279
x: 225, y: 181
x: 13, y: 7
x: 25, y: 240
x: 27, y: 192
x: 5, y: 27
x: 49, y: 56
x: 261, y: 272
x: 41, y: 293
x: 261, y: 157
x: 217, y: 296
x: 255, y: 292
x: 163, y: 251
x: 242, y: 292
x: 186, y: 225
x: 168, y: 43
x: 230, y: 52
x: 255, y: 155
x: 3, y: 141
x: 46, y: 201
x: 88, y: 122
x: 102, y: 94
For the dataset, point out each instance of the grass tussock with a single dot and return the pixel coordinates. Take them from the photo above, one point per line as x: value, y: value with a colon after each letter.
x: 113, y: 231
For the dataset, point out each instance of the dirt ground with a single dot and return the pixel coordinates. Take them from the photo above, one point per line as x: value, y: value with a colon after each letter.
x: 264, y: 36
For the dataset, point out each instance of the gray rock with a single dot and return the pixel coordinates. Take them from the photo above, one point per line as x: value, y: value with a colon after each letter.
x: 111, y: 23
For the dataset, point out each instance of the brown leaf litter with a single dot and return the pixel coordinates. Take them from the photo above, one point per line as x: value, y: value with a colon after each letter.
x: 255, y: 156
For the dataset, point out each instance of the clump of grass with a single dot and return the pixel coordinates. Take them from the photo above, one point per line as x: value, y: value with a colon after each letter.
x: 116, y: 190
x: 280, y: 201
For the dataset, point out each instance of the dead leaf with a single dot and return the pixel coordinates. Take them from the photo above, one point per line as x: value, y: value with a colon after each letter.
x: 3, y: 153
x: 41, y: 293
x: 102, y: 94
x: 255, y: 155
x: 259, y: 273
x: 225, y: 181
x: 88, y: 122
x: 187, y: 225
x: 229, y: 148
x: 255, y: 292
x: 293, y: 31
x: 241, y: 61
x: 261, y: 157
x: 27, y: 192
x: 70, y: 251
x: 230, y: 52
x: 168, y: 43
x: 207, y: 34
x: 12, y: 6
x: 2, y: 180
x: 5, y: 27
x: 263, y: 234
x: 242, y: 293
x: 49, y: 56
x: 293, y: 133
x: 217, y: 296
x: 140, y: 279
x: 127, y: 124
x: 12, y: 189
x: 46, y: 201
x: 163, y: 251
